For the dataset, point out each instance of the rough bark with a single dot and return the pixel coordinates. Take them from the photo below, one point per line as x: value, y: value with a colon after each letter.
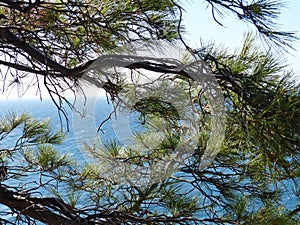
x: 33, y: 207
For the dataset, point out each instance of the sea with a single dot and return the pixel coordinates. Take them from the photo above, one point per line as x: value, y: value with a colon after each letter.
x: 88, y: 120
x: 81, y: 124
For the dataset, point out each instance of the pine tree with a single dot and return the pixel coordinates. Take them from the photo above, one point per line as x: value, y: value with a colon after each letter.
x: 255, y: 149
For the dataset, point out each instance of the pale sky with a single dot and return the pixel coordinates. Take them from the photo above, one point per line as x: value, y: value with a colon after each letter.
x: 199, y: 23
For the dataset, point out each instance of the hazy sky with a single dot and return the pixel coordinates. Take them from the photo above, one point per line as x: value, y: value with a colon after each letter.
x: 199, y: 23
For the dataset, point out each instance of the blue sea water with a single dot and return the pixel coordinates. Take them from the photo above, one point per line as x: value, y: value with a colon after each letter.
x: 79, y: 129
x: 81, y: 126
x: 82, y: 129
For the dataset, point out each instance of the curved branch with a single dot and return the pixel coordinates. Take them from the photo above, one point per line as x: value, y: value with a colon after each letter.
x: 22, y: 68
x: 7, y: 36
x: 30, y: 208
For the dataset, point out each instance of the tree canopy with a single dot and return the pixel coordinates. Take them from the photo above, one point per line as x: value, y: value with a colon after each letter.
x: 55, y: 44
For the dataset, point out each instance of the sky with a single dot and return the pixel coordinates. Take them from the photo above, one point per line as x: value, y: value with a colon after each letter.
x: 199, y: 24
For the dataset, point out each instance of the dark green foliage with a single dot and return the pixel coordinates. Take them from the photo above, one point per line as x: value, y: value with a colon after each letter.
x: 249, y: 181
x: 158, y: 107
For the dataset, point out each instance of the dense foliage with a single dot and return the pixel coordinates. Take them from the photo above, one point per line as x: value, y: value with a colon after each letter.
x: 257, y: 166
